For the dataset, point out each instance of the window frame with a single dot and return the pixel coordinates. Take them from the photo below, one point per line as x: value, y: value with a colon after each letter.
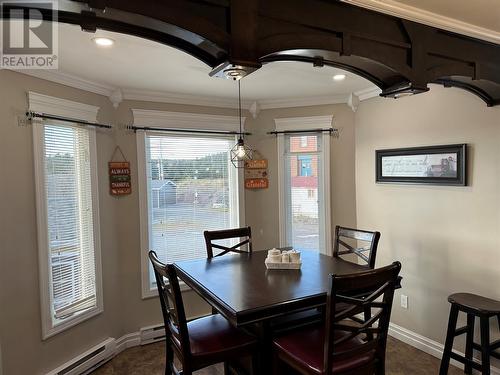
x: 65, y: 108
x: 180, y: 121
x: 312, y: 123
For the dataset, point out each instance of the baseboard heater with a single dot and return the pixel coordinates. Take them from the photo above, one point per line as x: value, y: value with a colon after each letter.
x: 88, y: 361
x: 151, y: 334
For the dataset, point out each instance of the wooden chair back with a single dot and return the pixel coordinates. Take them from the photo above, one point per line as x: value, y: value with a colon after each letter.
x: 355, y: 293
x: 172, y: 308
x: 211, y: 236
x: 368, y: 252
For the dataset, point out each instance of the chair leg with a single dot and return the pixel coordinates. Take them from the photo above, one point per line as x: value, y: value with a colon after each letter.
x: 169, y: 362
x: 450, y: 335
x: 276, y: 363
x: 469, y: 342
x: 226, y: 369
x: 485, y: 345
x: 255, y: 364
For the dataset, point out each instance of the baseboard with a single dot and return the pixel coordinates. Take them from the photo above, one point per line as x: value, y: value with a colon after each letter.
x: 134, y: 339
x: 411, y: 338
x: 425, y: 344
x: 127, y: 341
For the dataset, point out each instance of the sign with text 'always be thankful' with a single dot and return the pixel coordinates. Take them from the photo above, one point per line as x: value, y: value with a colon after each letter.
x: 256, y: 174
x: 119, y: 178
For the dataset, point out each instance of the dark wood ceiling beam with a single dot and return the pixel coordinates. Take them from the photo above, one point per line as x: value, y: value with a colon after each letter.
x: 389, y: 51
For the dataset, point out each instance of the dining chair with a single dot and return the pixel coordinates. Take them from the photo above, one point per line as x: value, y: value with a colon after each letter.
x: 367, y: 253
x: 346, y: 344
x: 216, y: 235
x: 200, y: 342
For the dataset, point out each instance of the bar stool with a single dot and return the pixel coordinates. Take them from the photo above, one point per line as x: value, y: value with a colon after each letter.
x: 474, y: 306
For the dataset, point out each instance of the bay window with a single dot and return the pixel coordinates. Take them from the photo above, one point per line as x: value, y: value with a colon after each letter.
x: 304, y: 183
x: 187, y: 185
x: 68, y: 224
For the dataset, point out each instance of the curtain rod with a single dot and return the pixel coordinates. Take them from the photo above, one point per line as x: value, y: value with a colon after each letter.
x: 31, y: 115
x: 332, y: 131
x: 190, y: 131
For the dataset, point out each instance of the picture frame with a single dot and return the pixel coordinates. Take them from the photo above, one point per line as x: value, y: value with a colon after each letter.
x: 436, y: 165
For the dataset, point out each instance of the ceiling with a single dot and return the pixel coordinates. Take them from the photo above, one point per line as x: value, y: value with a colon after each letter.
x: 482, y: 13
x: 146, y: 70
x: 476, y: 18
x: 134, y: 64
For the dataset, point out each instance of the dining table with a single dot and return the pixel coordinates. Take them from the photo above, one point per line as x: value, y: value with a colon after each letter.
x: 250, y: 296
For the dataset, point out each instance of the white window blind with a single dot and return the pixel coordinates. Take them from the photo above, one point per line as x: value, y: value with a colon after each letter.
x: 191, y: 187
x: 303, y: 191
x: 70, y: 220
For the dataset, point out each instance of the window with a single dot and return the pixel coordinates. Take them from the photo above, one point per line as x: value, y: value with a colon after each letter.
x: 304, y: 167
x: 191, y: 186
x: 65, y: 159
x: 303, y: 141
x: 303, y: 180
x: 304, y: 183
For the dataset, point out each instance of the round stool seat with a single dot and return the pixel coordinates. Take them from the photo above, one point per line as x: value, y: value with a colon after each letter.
x: 476, y: 304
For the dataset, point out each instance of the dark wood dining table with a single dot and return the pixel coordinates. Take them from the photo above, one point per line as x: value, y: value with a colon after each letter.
x: 249, y: 295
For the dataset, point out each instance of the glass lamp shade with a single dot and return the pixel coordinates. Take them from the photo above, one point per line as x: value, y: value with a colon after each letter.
x: 240, y: 153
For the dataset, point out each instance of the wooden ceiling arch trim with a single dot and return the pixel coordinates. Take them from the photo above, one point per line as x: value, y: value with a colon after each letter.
x: 399, y: 56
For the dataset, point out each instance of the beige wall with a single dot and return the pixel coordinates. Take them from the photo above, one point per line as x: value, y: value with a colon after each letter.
x: 23, y: 351
x: 447, y: 238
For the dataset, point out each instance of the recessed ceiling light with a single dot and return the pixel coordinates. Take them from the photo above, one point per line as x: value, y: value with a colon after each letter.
x: 339, y: 77
x: 103, y: 42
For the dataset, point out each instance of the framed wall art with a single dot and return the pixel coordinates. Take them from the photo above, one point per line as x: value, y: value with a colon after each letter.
x: 438, y: 165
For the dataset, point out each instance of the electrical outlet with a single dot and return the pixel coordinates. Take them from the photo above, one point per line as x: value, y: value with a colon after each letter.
x: 404, y: 301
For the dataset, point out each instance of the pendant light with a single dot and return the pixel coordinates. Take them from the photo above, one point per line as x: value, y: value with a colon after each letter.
x: 240, y: 152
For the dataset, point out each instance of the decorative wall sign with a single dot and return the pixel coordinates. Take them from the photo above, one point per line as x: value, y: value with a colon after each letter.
x: 256, y: 164
x: 256, y: 183
x: 256, y: 174
x: 119, y: 175
x: 438, y: 165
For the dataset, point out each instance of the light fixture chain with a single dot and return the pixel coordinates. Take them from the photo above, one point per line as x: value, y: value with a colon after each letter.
x: 239, y: 106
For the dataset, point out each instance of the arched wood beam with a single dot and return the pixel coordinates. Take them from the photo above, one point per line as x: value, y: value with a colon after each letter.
x: 480, y: 88
x: 176, y: 25
x: 401, y: 56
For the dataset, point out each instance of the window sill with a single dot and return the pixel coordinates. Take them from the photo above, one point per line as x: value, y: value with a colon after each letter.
x: 71, y: 322
x: 154, y: 294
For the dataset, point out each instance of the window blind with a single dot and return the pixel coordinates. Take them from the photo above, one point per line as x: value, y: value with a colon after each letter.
x: 303, y: 191
x: 70, y: 220
x: 191, y: 187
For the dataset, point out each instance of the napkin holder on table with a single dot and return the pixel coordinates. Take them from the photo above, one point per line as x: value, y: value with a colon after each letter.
x: 275, y: 259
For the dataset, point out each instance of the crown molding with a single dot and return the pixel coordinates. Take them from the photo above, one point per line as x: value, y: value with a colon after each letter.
x: 174, y: 98
x: 303, y: 102
x: 71, y: 81
x: 425, y: 17
x: 116, y: 95
x: 370, y: 92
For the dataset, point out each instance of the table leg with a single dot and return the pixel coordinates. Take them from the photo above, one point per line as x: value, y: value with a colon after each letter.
x: 265, y: 336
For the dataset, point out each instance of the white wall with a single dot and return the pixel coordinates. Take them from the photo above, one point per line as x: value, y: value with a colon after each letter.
x: 447, y: 238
